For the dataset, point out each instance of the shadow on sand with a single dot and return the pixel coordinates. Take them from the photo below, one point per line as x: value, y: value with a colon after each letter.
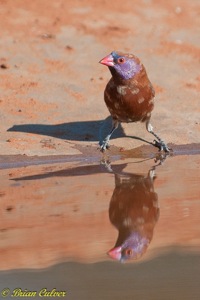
x: 79, y: 131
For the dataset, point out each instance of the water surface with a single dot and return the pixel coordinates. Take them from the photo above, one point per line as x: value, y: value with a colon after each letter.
x: 59, y: 220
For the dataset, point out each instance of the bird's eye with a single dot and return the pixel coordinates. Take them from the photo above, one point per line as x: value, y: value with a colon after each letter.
x: 128, y: 252
x: 121, y: 60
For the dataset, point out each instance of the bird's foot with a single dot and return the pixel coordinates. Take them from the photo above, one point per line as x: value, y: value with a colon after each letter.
x: 160, y: 158
x: 107, y: 164
x: 161, y: 146
x: 104, y: 146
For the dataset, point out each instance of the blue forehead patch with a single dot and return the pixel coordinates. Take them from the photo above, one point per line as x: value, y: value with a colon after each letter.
x: 115, y: 55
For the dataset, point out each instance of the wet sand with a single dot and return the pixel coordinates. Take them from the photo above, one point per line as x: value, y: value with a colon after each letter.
x: 170, y: 276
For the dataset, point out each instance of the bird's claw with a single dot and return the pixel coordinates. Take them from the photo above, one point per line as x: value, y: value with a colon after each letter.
x: 107, y: 164
x: 161, y: 146
x: 104, y: 146
x: 160, y: 158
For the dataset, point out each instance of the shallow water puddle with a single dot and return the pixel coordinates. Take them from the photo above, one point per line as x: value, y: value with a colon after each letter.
x: 81, y: 219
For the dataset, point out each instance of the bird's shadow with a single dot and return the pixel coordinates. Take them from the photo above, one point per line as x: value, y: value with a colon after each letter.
x: 92, y: 131
x: 79, y: 131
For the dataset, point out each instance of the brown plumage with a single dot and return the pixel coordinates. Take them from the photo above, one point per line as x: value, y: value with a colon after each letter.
x: 129, y: 95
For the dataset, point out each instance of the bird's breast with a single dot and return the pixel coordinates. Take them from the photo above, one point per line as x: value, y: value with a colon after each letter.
x: 129, y: 103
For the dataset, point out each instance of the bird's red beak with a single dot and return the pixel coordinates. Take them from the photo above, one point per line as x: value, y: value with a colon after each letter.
x: 108, y: 61
x: 115, y: 253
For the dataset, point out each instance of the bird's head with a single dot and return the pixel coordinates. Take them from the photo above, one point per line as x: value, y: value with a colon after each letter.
x: 131, y: 249
x: 125, y: 66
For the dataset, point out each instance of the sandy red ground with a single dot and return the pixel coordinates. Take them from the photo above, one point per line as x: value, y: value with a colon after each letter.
x: 50, y: 74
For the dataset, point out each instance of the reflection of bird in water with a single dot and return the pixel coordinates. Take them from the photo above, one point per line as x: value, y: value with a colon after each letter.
x: 134, y: 212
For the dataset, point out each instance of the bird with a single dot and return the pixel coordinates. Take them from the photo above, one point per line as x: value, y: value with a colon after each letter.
x: 134, y: 211
x: 129, y: 95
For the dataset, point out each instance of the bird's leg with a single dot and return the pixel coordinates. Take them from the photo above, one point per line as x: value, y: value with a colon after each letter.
x: 105, y: 142
x: 159, y: 143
